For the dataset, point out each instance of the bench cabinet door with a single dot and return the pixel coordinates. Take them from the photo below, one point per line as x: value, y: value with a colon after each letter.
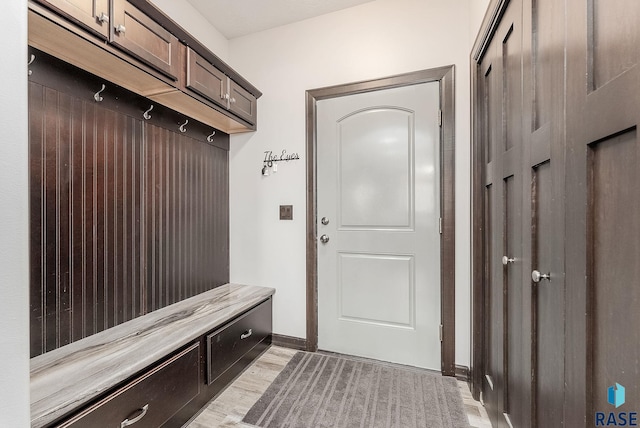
x: 150, y: 400
x: 229, y: 344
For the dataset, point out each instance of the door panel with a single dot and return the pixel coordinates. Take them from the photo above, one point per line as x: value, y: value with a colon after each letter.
x: 548, y: 305
x: 614, y: 247
x: 378, y: 187
x: 512, y: 292
x: 387, y: 280
x: 614, y: 39
x: 376, y: 192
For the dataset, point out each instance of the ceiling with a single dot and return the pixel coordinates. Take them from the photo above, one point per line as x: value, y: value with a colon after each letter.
x: 236, y: 18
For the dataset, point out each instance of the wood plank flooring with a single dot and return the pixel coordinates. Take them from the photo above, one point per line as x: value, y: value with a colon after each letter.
x: 228, y: 409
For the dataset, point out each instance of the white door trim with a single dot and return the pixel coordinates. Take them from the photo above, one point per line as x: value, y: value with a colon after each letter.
x: 444, y: 75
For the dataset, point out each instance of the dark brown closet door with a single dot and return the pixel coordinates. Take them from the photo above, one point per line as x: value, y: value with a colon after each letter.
x: 500, y: 89
x: 509, y: 154
x: 603, y: 206
x: 543, y: 162
x: 489, y: 85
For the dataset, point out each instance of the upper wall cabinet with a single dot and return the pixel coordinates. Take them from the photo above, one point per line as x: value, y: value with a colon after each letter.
x: 135, y: 45
x: 205, y: 79
x: 90, y: 14
x: 211, y: 83
x: 242, y: 103
x: 142, y: 37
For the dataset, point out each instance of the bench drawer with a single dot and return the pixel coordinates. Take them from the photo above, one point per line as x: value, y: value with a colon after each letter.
x: 228, y: 344
x: 150, y: 400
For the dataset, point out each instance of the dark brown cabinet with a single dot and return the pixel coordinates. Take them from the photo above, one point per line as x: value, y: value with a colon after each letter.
x: 142, y: 37
x: 90, y: 14
x: 150, y: 400
x: 242, y: 103
x: 205, y: 79
x: 229, y: 344
x: 211, y: 83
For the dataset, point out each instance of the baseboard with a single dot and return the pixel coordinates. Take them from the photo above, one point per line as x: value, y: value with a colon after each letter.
x: 462, y: 373
x: 289, y: 342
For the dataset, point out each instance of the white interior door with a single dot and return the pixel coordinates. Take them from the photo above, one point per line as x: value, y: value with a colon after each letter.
x: 378, y: 173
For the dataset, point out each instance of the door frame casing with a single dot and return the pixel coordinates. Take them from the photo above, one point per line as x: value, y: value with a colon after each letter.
x: 445, y: 77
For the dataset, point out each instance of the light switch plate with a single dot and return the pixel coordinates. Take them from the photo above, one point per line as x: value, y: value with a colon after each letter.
x: 286, y: 212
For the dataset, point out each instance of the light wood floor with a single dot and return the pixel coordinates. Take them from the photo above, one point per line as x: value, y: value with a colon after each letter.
x: 230, y: 407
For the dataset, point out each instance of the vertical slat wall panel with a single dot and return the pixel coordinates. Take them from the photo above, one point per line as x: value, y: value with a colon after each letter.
x: 127, y: 216
x: 187, y: 217
x: 36, y: 192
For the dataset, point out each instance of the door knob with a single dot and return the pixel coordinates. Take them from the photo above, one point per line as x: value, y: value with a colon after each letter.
x: 536, y: 276
x: 324, y: 239
x: 506, y: 260
x: 324, y: 221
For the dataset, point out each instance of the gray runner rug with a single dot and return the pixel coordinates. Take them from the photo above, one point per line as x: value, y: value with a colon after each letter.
x: 316, y: 390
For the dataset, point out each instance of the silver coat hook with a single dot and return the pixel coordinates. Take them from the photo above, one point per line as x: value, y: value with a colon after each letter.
x: 146, y: 114
x: 210, y: 137
x: 182, y: 127
x: 31, y: 59
x: 97, y: 96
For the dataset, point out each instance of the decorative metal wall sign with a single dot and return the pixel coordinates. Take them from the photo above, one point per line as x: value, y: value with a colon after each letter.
x: 270, y: 162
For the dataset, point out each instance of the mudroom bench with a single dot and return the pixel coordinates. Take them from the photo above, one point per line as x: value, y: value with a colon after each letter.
x: 156, y: 370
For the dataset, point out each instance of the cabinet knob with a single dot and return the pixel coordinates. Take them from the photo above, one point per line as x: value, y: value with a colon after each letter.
x: 104, y: 18
x: 121, y: 29
x: 246, y: 334
x: 506, y: 260
x: 232, y: 100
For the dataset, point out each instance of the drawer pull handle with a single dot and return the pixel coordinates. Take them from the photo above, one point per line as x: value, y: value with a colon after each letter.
x: 247, y: 334
x: 128, y: 422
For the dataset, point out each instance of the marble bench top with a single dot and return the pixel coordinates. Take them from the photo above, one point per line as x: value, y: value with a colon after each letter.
x: 66, y: 378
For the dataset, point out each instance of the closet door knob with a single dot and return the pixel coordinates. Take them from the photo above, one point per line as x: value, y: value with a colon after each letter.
x: 536, y: 276
x: 506, y: 260
x: 324, y: 239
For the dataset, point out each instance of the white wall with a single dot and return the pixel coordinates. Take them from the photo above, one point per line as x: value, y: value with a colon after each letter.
x: 182, y: 12
x: 478, y: 9
x: 377, y: 39
x: 14, y: 215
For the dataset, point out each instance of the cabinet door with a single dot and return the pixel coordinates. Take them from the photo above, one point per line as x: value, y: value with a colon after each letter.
x: 205, y: 79
x: 150, y: 400
x: 91, y: 14
x: 144, y: 38
x: 242, y: 103
x: 230, y: 343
